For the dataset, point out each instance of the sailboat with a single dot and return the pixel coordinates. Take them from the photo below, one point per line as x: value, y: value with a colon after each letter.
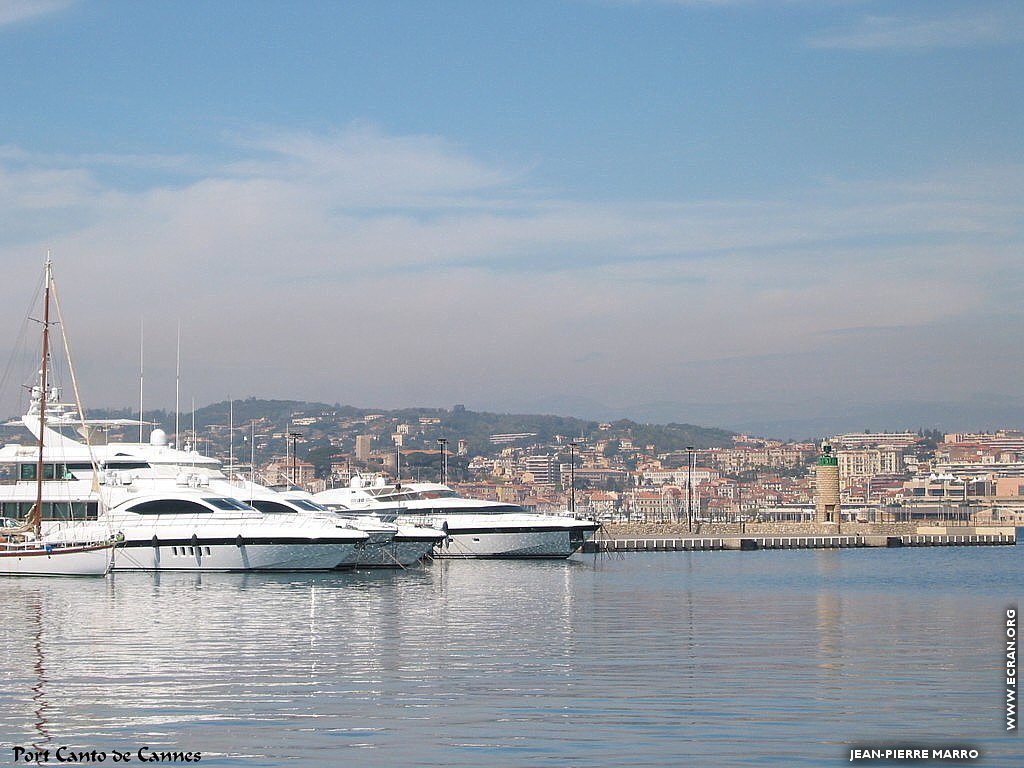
x: 24, y: 551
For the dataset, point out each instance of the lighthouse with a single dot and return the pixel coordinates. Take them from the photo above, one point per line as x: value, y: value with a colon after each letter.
x: 826, y: 497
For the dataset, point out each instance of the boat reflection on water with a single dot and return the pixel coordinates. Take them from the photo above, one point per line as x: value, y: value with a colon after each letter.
x: 591, y: 661
x: 153, y: 659
x: 43, y: 738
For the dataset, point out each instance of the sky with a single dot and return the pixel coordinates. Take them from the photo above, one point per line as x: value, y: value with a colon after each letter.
x: 677, y: 209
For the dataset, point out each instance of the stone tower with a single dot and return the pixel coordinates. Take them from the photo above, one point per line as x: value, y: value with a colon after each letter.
x: 826, y: 497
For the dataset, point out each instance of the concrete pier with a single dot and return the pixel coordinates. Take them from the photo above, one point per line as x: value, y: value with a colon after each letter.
x: 969, y: 537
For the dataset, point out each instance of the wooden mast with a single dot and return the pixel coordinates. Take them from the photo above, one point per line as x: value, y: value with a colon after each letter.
x: 37, y: 512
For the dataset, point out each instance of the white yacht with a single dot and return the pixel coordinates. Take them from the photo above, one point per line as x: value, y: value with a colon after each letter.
x: 475, y: 527
x: 387, y: 544
x: 384, y: 543
x: 164, y: 514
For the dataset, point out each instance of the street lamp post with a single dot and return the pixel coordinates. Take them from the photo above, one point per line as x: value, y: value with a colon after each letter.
x: 739, y: 508
x: 443, y: 442
x: 572, y: 477
x: 398, y: 464
x: 295, y: 465
x: 689, y: 488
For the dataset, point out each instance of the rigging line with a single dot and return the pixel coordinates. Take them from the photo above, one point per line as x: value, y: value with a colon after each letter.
x: 78, y: 398
x: 20, y: 347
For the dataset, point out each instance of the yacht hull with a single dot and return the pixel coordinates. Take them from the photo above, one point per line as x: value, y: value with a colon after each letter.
x: 180, y: 546
x: 557, y: 543
x: 217, y: 555
x: 399, y: 553
x: 83, y: 560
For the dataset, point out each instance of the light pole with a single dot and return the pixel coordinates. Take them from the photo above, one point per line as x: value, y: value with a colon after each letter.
x: 689, y: 488
x: 572, y: 477
x: 398, y: 464
x: 739, y: 507
x: 295, y: 464
x: 443, y: 442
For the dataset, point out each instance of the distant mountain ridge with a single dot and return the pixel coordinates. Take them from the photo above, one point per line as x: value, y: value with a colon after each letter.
x: 808, y: 419
x: 476, y: 427
x: 671, y: 422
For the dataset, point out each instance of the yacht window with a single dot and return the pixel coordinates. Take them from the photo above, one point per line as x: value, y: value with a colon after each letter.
x: 272, y: 507
x: 27, y: 472
x: 397, y: 496
x: 59, y: 510
x: 207, y: 550
x: 114, y: 464
x: 169, y: 507
x: 81, y: 510
x: 224, y: 502
x: 447, y: 494
x: 311, y: 506
x: 501, y: 509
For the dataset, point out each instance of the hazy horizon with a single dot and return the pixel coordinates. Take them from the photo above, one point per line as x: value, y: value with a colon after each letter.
x: 775, y: 214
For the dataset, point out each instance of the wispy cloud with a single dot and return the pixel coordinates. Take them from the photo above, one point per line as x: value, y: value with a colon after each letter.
x: 308, y: 243
x: 968, y: 29
x: 13, y: 11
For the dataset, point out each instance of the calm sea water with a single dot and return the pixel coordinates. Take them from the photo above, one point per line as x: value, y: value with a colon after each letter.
x: 701, y: 658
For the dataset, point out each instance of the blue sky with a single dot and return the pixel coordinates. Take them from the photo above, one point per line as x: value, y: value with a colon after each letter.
x: 611, y: 203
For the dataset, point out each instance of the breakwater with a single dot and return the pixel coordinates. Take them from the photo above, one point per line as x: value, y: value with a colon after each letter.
x: 618, y: 538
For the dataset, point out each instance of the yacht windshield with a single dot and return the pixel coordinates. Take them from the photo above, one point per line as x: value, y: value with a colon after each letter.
x: 408, y: 494
x: 439, y: 494
x: 223, y: 502
x: 497, y: 509
x: 272, y: 507
x: 308, y: 505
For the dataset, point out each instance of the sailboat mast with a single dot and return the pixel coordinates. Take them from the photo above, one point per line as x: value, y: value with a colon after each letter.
x: 37, y: 515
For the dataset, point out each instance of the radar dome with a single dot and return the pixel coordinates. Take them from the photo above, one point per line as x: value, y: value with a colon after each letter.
x: 158, y: 437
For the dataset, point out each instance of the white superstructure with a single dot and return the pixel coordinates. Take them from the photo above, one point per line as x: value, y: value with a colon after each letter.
x: 475, y: 527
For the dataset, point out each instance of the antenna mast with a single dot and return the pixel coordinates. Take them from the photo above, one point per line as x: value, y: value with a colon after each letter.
x: 231, y: 437
x: 177, y: 392
x: 142, y: 369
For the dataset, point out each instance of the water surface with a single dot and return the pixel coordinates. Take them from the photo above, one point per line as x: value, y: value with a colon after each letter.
x: 654, y: 659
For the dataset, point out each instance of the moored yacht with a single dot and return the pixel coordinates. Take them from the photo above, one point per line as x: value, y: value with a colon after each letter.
x: 389, y: 544
x: 164, y: 520
x: 475, y: 527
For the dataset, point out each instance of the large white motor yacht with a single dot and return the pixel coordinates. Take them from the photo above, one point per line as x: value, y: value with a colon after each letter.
x: 165, y: 515
x: 476, y: 527
x: 388, y: 544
